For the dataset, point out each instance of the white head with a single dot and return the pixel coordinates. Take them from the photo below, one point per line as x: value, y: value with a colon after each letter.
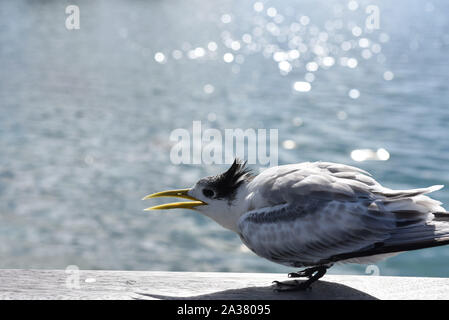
x: 218, y: 197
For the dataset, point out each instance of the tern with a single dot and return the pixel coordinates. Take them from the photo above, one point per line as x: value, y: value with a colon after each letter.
x: 314, y: 214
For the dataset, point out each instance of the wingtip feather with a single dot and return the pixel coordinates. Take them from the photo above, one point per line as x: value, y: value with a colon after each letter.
x: 436, y: 187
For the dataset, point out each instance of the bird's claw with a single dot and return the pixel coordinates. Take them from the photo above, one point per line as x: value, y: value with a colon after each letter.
x: 295, y: 285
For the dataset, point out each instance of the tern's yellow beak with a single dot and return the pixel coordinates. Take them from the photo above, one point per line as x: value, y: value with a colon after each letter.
x: 181, y: 193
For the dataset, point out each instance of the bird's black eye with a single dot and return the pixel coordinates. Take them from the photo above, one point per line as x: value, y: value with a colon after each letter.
x: 208, y: 193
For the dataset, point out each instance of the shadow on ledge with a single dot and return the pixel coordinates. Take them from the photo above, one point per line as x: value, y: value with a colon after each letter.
x: 322, y: 290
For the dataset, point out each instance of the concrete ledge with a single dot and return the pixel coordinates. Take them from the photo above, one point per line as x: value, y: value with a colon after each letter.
x: 52, y: 284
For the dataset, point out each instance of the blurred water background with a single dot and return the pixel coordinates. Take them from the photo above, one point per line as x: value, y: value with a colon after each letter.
x: 86, y: 117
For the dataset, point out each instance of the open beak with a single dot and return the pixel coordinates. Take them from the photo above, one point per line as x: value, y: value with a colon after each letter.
x: 181, y: 193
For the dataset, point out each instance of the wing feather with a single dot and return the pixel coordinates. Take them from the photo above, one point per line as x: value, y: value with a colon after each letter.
x: 302, y: 236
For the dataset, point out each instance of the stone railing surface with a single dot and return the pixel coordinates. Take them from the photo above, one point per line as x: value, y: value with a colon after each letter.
x: 99, y: 284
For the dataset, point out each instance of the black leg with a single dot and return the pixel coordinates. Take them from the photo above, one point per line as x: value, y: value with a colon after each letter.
x: 306, y: 273
x: 313, y: 274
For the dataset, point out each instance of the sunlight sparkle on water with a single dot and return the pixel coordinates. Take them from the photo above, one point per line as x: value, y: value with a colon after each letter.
x: 271, y: 12
x: 258, y: 6
x: 309, y: 77
x: 354, y: 93
x: 199, y: 52
x: 353, y: 5
x: 368, y: 154
x: 297, y: 121
x: 293, y: 54
x: 363, y: 43
x: 366, y: 54
x: 302, y: 86
x: 289, y: 144
x: 212, y: 46
x: 376, y: 48
x: 352, y: 63
x: 159, y: 57
x: 285, y: 66
x: 388, y: 75
x: 312, y: 66
x: 328, y: 61
x: 357, y: 31
x: 176, y: 54
x: 346, y: 45
x: 208, y: 88
x: 228, y: 57
x: 235, y: 45
x: 226, y: 18
x: 293, y: 42
x: 280, y: 56
x: 247, y: 38
x: 304, y: 20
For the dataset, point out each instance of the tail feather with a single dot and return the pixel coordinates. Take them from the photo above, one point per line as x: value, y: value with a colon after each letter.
x: 432, y: 234
x: 395, y: 194
x: 421, y: 223
x: 432, y: 231
x: 413, y: 200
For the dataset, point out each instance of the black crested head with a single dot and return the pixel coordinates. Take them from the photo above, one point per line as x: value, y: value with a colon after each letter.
x: 226, y: 184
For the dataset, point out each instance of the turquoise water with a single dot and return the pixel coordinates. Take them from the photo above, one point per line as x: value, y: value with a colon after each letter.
x: 87, y: 115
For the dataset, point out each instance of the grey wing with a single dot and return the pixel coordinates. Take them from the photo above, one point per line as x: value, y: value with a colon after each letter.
x: 306, y: 235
